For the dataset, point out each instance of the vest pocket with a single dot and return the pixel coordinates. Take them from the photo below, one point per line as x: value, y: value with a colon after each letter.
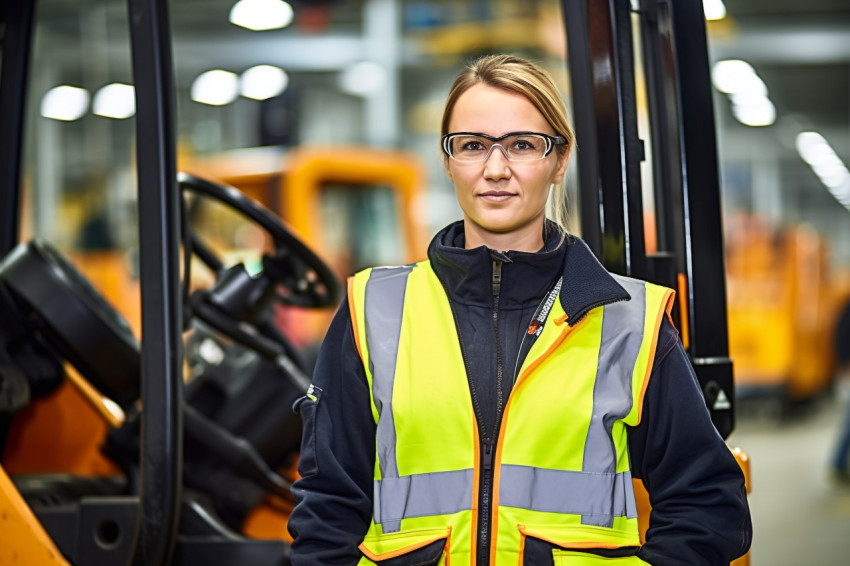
x: 578, y: 545
x: 306, y: 406
x: 425, y: 547
x: 577, y: 558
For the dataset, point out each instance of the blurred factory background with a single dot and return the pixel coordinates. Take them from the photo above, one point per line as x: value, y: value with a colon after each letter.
x: 323, y: 93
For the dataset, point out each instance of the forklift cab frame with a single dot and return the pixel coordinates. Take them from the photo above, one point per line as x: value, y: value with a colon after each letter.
x: 599, y: 33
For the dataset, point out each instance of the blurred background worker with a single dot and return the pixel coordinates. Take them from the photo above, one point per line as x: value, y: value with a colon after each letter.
x: 841, y: 457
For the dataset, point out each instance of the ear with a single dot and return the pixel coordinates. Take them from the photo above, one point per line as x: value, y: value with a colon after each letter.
x: 448, y: 168
x: 561, y: 170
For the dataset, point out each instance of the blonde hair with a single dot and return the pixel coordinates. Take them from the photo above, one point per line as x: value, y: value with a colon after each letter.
x: 523, y: 77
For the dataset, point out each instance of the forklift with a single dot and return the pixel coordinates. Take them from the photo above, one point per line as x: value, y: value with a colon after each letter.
x: 193, y: 461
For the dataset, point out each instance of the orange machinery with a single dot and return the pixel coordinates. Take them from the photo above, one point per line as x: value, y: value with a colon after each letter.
x: 293, y: 186
x: 782, y: 309
x: 63, y: 432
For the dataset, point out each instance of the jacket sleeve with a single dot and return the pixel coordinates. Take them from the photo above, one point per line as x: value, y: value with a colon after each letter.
x: 334, y: 493
x: 700, y: 513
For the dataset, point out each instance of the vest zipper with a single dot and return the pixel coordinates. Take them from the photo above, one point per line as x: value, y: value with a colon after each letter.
x: 485, y: 495
x: 485, y: 504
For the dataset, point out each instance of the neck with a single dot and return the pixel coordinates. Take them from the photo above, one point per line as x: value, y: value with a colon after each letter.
x: 526, y: 239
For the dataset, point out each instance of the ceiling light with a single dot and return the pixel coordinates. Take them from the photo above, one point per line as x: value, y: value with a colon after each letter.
x: 263, y: 81
x: 116, y: 100
x: 215, y: 87
x: 66, y: 103
x: 363, y: 78
x: 737, y: 76
x: 714, y: 9
x: 746, y: 90
x: 753, y: 110
x: 260, y: 15
x: 830, y: 169
x: 812, y: 147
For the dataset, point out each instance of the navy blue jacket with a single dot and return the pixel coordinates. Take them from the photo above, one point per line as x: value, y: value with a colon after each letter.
x: 699, y: 505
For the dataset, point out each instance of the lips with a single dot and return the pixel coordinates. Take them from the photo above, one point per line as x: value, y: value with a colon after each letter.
x: 496, y: 196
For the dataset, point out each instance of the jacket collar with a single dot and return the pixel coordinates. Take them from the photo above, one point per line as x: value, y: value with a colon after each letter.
x: 587, y: 284
x: 466, y: 274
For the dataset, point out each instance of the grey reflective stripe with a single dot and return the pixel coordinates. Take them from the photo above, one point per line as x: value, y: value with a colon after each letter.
x: 558, y: 491
x: 622, y: 334
x: 384, y: 306
x: 421, y: 495
x: 396, y: 498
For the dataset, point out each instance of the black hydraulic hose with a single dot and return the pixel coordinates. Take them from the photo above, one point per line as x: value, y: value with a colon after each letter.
x: 17, y: 21
x: 161, y: 461
x: 236, y: 451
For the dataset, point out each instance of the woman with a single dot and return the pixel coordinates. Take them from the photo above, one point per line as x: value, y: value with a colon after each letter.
x: 491, y: 405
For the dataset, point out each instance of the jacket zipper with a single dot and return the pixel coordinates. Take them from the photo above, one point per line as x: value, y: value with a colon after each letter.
x: 485, y: 495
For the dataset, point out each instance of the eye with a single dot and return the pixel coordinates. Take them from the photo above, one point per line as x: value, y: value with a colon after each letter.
x: 524, y: 144
x: 472, y: 145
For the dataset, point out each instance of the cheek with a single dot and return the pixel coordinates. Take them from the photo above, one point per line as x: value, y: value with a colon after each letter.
x: 460, y: 179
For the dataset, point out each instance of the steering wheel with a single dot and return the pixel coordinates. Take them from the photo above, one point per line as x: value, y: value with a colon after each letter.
x: 74, y: 318
x: 301, y: 278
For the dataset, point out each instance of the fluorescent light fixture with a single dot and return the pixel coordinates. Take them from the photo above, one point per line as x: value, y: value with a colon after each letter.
x: 215, y: 87
x: 64, y: 102
x: 263, y: 81
x: 363, y: 78
x: 753, y: 110
x: 830, y: 169
x: 746, y: 90
x: 736, y: 76
x: 116, y: 100
x: 261, y: 15
x: 714, y: 9
x: 812, y: 146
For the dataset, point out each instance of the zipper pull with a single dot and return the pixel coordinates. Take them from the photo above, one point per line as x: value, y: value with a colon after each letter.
x: 497, y: 276
x: 487, y: 464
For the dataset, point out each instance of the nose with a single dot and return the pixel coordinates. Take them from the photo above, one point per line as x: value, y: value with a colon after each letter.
x: 496, y: 163
x: 494, y: 146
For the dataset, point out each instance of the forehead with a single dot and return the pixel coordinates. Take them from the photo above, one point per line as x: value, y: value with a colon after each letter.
x: 495, y: 111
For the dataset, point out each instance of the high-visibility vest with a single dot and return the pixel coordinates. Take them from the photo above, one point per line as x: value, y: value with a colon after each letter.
x: 561, y: 469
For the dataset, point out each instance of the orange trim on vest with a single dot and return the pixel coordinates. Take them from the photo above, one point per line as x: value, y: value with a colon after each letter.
x: 401, y: 551
x: 476, y: 486
x: 521, y: 544
x: 352, y: 309
x: 573, y: 545
x: 652, y: 347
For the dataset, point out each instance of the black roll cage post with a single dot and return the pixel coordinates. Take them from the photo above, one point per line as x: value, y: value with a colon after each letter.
x: 161, y: 453
x: 690, y: 255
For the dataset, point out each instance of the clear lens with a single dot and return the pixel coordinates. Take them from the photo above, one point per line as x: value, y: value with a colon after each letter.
x: 520, y: 147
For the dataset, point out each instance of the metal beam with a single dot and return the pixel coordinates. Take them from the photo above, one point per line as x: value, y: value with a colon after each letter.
x: 600, y: 51
x: 17, y: 20
x: 159, y: 228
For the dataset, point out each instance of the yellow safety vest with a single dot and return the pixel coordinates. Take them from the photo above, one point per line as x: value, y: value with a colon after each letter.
x: 561, y: 471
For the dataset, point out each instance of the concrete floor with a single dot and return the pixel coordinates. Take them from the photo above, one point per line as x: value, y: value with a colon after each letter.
x: 799, y: 517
